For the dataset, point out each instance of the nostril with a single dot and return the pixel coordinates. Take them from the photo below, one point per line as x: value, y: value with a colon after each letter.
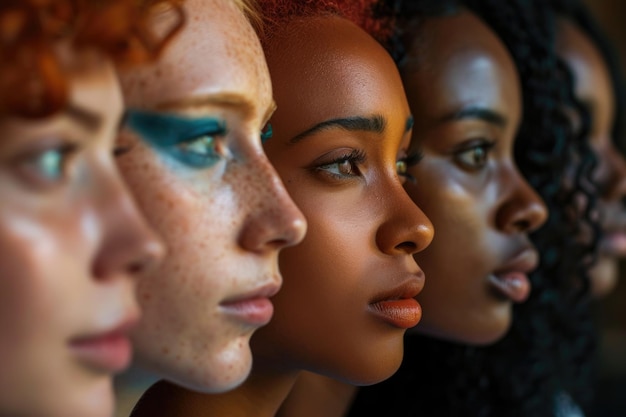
x: 408, y: 247
x: 523, y: 225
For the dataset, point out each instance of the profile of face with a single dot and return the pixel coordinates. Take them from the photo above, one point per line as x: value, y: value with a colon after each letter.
x: 593, y: 87
x: 194, y: 160
x: 71, y: 241
x: 341, y: 134
x: 465, y: 96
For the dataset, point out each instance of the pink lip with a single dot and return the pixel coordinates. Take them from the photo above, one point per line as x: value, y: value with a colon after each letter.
x: 511, y: 280
x: 398, y: 307
x: 254, y: 308
x: 614, y: 243
x: 109, y: 351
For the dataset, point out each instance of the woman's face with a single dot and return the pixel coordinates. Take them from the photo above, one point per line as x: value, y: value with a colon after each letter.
x: 71, y: 239
x: 465, y: 95
x: 341, y: 133
x: 594, y: 89
x: 201, y: 177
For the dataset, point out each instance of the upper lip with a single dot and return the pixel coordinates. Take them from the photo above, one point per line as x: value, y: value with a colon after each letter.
x: 410, y: 286
x: 524, y: 260
x: 264, y: 291
x: 123, y: 328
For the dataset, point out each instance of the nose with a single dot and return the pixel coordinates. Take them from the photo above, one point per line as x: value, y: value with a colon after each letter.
x: 521, y: 209
x: 405, y: 228
x: 128, y: 245
x: 274, y: 221
x: 614, y: 187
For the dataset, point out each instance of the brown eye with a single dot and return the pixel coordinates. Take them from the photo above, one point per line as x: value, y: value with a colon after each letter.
x: 476, y: 157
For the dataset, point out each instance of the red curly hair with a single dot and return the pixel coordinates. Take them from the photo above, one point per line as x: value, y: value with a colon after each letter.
x: 33, y: 83
x: 363, y: 13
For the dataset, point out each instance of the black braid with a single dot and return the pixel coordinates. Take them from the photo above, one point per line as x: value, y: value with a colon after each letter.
x: 550, y: 346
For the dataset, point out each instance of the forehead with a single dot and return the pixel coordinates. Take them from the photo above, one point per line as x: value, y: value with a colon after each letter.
x: 332, y: 68
x: 464, y: 60
x: 216, y: 52
x: 583, y: 57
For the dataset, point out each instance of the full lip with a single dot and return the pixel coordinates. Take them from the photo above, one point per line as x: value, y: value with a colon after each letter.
x: 510, y: 282
x: 254, y: 307
x: 95, y: 348
x: 397, y: 307
x: 410, y: 287
x: 524, y: 260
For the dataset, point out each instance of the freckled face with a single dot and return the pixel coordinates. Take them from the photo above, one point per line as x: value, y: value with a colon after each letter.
x: 594, y: 88
x: 71, y: 240
x: 204, y: 182
x: 340, y: 133
x: 464, y: 93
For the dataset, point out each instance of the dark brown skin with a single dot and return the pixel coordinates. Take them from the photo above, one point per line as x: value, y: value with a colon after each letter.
x: 363, y: 228
x: 482, y: 213
x: 480, y: 205
x: 594, y: 88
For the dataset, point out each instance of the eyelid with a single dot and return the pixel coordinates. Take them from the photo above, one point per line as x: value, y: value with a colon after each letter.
x: 167, y: 130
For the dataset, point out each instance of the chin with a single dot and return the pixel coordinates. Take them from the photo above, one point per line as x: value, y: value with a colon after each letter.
x: 467, y: 336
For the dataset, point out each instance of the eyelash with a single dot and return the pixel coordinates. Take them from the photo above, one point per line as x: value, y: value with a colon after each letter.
x: 411, y: 160
x: 483, y: 145
x: 355, y: 157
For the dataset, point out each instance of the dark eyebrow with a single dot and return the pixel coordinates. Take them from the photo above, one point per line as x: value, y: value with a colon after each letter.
x: 89, y: 120
x: 480, y: 113
x: 374, y: 124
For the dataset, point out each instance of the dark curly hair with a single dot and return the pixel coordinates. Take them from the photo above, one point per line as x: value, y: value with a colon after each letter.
x: 33, y: 81
x: 549, y: 350
x: 579, y: 14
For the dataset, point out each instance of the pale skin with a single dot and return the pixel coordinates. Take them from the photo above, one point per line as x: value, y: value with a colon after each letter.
x: 209, y: 190
x: 72, y: 243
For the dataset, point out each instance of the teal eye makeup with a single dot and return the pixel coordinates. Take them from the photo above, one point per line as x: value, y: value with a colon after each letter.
x: 191, y: 141
x: 267, y: 133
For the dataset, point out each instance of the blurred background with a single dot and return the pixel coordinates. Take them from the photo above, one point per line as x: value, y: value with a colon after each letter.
x: 610, y: 312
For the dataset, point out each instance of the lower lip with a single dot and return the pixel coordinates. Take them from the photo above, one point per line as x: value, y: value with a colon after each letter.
x: 514, y: 286
x: 109, y: 353
x: 256, y: 311
x: 404, y: 314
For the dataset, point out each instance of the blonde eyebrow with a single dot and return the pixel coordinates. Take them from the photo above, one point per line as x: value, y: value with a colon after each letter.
x: 220, y: 99
x: 88, y: 119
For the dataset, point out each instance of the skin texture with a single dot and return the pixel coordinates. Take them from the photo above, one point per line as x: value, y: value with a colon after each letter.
x: 365, y: 218
x: 363, y: 228
x: 593, y: 88
x: 467, y: 183
x: 224, y: 223
x: 72, y: 241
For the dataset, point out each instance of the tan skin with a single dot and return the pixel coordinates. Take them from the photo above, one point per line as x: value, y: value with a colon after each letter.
x: 72, y: 243
x: 594, y: 88
x: 465, y: 95
x: 213, y: 196
x: 363, y: 228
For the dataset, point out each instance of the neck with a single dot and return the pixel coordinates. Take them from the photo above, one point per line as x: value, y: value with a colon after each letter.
x: 260, y: 396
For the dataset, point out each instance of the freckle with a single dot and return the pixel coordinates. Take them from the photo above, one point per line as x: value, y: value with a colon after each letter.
x: 177, y: 357
x: 165, y: 351
x: 147, y: 296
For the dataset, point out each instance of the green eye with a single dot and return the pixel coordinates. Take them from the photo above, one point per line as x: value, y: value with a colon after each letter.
x: 50, y: 164
x: 198, y: 153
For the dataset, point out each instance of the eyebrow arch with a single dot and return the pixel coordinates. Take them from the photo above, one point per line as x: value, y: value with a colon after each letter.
x: 480, y: 113
x: 220, y: 99
x: 87, y: 118
x: 374, y: 124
